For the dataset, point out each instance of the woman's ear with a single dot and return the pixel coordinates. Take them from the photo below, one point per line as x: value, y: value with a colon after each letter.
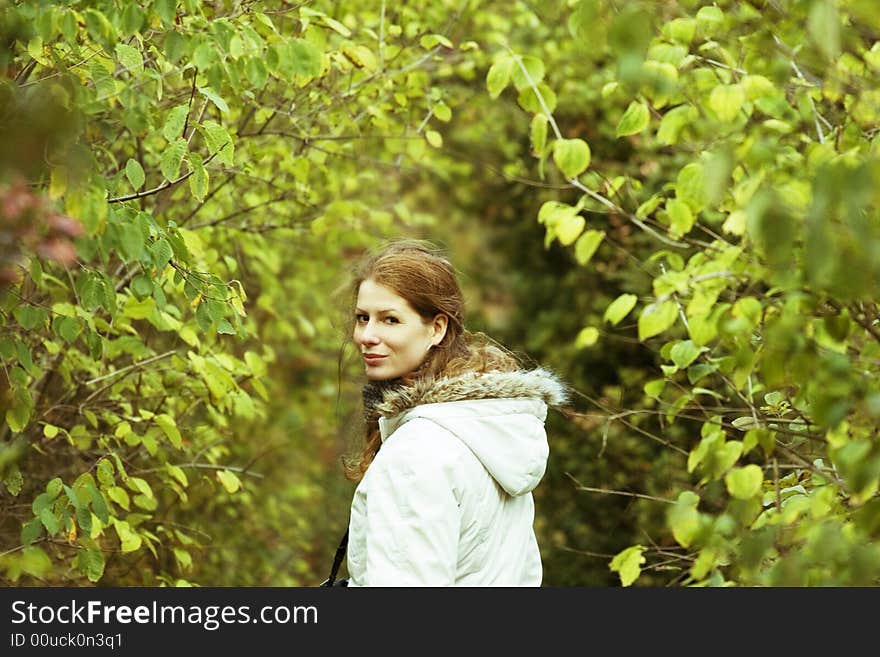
x: 439, y: 327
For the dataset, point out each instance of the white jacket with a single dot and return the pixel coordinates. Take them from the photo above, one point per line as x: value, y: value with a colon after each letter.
x: 447, y: 501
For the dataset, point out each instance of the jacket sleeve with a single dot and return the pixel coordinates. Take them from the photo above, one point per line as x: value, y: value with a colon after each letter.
x: 412, y: 514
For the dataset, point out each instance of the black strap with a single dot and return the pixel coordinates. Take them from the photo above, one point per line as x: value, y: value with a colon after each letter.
x: 337, y: 561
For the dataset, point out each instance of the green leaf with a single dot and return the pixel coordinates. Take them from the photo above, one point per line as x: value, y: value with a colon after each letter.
x: 215, y: 98
x: 681, y: 219
x: 430, y: 40
x: 539, y: 134
x: 34, y: 562
x: 174, y: 46
x: 144, y: 502
x: 91, y: 564
x: 709, y: 20
x: 823, y: 26
x: 73, y: 497
x: 132, y: 19
x: 30, y: 317
x: 634, y: 120
x: 13, y: 481
x: 337, y: 26
x: 172, y: 158
x: 619, y: 308
x: 203, y: 317
x: 67, y: 328
x: 700, y: 370
x: 131, y: 240
x: 224, y: 327
x: 142, y: 286
x: 175, y: 122
x: 586, y: 246
x: 587, y: 337
x: 169, y: 426
x: 434, y: 138
x: 499, y: 75
x: 572, y: 156
x: 530, y: 101
x: 129, y: 540
x: 184, y: 559
x: 255, y: 363
x: 569, y: 228
x: 726, y: 100
x: 105, y: 473
x: 745, y: 482
x: 229, y: 480
x: 535, y: 69
x: 628, y: 564
x: 690, y: 186
x: 361, y: 56
x: 167, y: 10
x: 218, y: 141
x: 198, y: 182
x: 684, y: 353
x: 54, y: 488
x: 19, y: 414
x: 656, y: 318
x: 23, y: 354
x: 130, y: 58
x: 139, y: 485
x: 91, y: 295
x: 50, y: 522
x: 99, y: 505
x: 681, y: 29
x: 684, y: 519
x: 307, y: 58
x: 30, y: 531
x: 41, y: 502
x: 177, y: 473
x: 674, y: 122
x: 654, y: 388
x: 257, y: 72
x: 120, y: 496
x: 442, y: 112
x: 135, y: 173
x: 161, y: 253
x: 746, y: 422
x: 749, y: 308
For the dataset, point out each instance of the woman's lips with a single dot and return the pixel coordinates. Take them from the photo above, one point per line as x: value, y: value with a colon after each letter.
x: 373, y: 358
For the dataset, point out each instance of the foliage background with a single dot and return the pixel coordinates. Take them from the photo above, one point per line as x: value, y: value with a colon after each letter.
x: 672, y: 204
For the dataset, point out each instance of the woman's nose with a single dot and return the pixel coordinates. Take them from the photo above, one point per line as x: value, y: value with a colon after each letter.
x: 368, y: 335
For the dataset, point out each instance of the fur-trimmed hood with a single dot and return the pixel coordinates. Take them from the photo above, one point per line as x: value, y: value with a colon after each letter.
x: 539, y: 384
x: 498, y: 415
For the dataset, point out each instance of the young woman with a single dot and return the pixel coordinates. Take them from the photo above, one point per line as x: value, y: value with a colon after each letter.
x: 455, y: 440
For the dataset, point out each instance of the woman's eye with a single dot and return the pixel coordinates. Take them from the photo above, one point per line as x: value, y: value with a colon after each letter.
x: 361, y: 318
x: 392, y: 320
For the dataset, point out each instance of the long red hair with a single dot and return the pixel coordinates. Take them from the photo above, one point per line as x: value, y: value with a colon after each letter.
x: 417, y: 271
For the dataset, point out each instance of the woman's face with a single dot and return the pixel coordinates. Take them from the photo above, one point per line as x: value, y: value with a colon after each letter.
x: 392, y: 336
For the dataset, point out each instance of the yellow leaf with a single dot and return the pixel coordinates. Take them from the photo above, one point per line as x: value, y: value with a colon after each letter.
x: 230, y: 481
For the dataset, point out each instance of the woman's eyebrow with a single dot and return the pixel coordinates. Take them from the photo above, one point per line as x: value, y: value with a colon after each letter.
x: 387, y: 310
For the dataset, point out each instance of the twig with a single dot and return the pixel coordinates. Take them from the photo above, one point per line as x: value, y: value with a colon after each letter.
x: 166, y: 184
x: 617, y: 492
x: 147, y: 361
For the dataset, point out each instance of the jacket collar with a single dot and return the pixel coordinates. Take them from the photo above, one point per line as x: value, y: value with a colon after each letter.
x: 535, y: 384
